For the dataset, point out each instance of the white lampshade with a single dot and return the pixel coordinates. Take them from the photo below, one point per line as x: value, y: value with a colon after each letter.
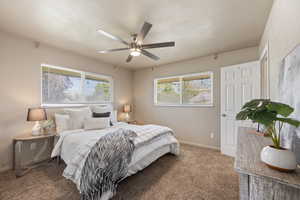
x: 36, y: 114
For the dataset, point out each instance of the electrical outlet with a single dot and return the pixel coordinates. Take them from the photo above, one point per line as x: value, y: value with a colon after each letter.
x: 212, y: 135
x: 33, y: 146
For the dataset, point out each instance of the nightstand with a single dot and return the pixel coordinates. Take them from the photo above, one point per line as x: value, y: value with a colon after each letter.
x: 26, y: 146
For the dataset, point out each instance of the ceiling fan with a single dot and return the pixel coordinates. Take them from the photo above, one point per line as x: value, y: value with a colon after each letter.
x: 137, y: 47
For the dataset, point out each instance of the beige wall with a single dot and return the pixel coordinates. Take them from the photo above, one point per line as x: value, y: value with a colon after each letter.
x: 20, y: 84
x: 191, y: 124
x: 283, y: 34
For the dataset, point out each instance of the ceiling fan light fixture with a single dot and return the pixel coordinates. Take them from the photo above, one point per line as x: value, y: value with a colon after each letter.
x: 135, y: 52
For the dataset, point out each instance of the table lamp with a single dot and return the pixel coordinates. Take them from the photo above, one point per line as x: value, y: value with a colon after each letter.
x: 36, y: 115
x: 127, y: 110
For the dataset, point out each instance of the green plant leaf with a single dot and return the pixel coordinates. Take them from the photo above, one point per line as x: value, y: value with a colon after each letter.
x: 264, y: 111
x: 280, y: 108
x: 290, y: 121
x: 265, y: 118
x: 243, y: 115
x: 254, y: 103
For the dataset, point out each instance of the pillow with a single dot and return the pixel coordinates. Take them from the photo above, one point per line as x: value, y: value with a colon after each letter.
x: 103, y: 115
x: 104, y: 109
x: 101, y: 109
x: 114, y: 116
x: 62, y: 122
x: 77, y: 117
x: 96, y: 123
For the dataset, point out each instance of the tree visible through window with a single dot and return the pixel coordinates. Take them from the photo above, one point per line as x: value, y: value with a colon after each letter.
x: 168, y: 90
x: 193, y: 89
x: 66, y: 86
x: 197, y: 89
x: 96, y: 89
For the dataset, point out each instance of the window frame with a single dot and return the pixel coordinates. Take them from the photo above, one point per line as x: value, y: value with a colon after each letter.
x: 265, y: 72
x: 77, y: 104
x: 181, y: 104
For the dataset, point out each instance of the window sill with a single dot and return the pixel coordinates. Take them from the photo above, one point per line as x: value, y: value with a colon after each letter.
x: 73, y: 105
x: 184, y: 105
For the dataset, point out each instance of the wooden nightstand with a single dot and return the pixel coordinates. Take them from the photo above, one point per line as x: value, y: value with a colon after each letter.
x: 28, y: 145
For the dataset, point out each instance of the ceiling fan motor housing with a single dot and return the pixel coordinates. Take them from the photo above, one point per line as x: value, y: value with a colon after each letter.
x: 134, y: 45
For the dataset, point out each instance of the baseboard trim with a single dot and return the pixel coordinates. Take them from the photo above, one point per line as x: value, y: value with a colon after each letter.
x: 199, y: 145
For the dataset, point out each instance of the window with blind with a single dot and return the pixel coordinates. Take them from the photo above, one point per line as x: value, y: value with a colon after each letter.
x: 192, y: 89
x: 62, y: 86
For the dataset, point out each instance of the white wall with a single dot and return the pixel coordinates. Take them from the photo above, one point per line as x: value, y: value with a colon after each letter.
x: 20, y: 84
x: 191, y: 124
x: 283, y: 34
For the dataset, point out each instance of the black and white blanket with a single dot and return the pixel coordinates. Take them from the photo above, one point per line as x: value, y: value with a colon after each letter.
x: 106, y: 165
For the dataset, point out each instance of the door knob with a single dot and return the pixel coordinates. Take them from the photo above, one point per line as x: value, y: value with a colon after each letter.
x: 224, y: 115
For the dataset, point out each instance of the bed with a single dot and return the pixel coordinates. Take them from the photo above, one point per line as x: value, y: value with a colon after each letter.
x: 151, y: 143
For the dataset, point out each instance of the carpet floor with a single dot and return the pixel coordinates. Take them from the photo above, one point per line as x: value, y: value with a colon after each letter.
x: 197, y: 174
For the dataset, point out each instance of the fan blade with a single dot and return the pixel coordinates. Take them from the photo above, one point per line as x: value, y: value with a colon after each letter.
x: 113, y: 50
x: 150, y: 55
x: 144, y: 31
x: 112, y: 36
x: 158, y: 45
x: 129, y: 58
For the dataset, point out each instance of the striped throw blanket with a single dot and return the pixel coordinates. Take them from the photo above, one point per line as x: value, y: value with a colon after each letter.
x: 106, y: 165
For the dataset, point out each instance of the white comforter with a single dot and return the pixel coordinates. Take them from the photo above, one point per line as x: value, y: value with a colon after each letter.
x: 73, y: 147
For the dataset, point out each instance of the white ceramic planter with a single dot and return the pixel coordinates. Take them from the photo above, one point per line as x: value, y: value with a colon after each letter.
x: 279, y: 159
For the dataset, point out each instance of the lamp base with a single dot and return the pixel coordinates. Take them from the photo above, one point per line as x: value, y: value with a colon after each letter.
x: 127, y: 117
x: 37, y: 129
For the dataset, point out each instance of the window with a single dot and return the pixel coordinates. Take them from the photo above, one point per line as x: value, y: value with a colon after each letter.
x: 62, y: 86
x: 191, y: 89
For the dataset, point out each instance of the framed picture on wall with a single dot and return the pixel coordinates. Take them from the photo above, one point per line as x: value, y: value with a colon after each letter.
x: 289, y: 93
x: 264, y: 67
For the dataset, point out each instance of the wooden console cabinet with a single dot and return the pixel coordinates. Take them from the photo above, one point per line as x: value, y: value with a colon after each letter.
x: 257, y: 181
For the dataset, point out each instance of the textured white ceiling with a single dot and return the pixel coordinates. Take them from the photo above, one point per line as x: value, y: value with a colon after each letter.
x: 199, y: 27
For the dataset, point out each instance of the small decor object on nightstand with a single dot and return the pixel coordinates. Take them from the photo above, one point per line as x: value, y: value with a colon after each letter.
x: 273, y: 115
x: 48, y: 126
x: 37, y: 115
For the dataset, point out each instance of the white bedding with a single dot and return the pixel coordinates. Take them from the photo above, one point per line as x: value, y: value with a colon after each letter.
x: 74, y: 145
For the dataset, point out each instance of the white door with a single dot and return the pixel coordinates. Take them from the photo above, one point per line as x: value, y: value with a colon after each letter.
x: 239, y: 84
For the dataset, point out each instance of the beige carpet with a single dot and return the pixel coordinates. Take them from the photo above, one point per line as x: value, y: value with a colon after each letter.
x: 197, y: 174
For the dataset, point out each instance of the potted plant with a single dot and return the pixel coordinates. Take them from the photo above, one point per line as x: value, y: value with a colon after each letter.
x: 273, y: 115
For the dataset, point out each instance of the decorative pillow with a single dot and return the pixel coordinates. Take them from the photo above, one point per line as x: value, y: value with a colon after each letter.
x: 103, y: 115
x: 77, y: 116
x: 101, y: 109
x: 105, y: 109
x: 62, y: 122
x: 96, y: 123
